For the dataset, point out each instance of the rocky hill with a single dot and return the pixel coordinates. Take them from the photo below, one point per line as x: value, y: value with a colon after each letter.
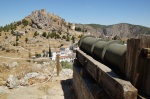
x: 40, y: 28
x: 122, y: 29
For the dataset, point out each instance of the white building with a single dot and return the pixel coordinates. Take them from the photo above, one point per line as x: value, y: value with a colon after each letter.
x: 72, y: 26
x: 65, y: 55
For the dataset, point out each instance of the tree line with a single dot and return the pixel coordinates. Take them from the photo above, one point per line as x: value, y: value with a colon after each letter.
x: 13, y: 26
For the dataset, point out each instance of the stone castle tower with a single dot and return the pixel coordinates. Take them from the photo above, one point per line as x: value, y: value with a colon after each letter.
x: 39, y: 11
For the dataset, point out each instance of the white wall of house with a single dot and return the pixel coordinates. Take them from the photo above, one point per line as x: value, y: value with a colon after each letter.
x: 54, y: 55
x: 63, y: 55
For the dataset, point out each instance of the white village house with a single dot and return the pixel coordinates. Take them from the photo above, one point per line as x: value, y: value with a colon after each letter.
x: 65, y: 55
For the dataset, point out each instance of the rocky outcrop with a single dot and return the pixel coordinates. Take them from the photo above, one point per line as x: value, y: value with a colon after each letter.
x: 43, y: 20
x: 125, y: 30
x: 12, y: 82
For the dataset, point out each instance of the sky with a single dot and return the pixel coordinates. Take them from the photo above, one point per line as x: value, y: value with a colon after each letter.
x: 104, y: 12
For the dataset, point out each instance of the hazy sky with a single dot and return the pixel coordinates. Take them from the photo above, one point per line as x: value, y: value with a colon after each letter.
x: 105, y: 12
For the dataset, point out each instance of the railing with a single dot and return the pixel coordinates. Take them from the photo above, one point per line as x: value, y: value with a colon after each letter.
x: 106, y: 70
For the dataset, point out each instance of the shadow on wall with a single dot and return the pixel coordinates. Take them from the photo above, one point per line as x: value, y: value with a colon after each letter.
x: 67, y: 87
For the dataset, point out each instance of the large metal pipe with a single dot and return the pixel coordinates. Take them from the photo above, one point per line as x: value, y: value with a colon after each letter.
x: 86, y: 44
x: 116, y: 54
x: 98, y: 49
x: 111, y: 52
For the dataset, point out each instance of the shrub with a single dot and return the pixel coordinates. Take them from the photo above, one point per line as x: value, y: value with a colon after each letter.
x: 3, y: 49
x: 35, y: 34
x: 44, y: 34
x: 37, y: 55
x: 26, y: 39
x: 6, y: 37
x: 7, y: 50
x: 73, y: 39
x: 25, y: 22
x: 28, y: 61
x: 66, y: 65
x: 68, y: 38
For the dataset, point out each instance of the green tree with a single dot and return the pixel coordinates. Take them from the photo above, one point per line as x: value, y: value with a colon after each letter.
x: 37, y: 55
x: 64, y: 37
x: 6, y: 37
x: 49, y: 35
x: 68, y: 38
x: 25, y: 22
x: 57, y: 36
x: 26, y: 39
x: 19, y: 23
x: 29, y: 53
x: 73, y: 39
x: 44, y: 34
x: 80, y: 36
x: 17, y: 38
x: 50, y: 53
x: 35, y: 34
x: 43, y: 53
x: 1, y: 28
x: 12, y: 31
x: 78, y: 29
x: 0, y: 34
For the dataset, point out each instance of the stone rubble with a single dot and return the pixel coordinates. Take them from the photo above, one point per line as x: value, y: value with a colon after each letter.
x: 12, y: 82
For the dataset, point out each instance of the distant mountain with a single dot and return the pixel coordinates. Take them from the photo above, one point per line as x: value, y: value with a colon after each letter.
x: 122, y: 29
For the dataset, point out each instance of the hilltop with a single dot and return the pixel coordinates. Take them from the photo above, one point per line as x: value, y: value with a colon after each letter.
x: 37, y: 31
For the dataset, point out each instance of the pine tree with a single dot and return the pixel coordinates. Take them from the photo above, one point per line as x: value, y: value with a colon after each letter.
x: 44, y: 34
x: 73, y: 39
x: 17, y: 39
x: 29, y: 53
x: 50, y: 53
x: 35, y: 34
x: 26, y: 39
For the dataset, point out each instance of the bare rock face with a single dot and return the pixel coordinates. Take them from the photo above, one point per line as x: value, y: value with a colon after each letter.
x: 41, y: 19
x: 121, y: 30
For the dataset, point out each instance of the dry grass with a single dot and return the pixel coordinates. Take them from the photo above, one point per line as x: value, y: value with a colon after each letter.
x: 44, y: 88
x: 4, y: 72
x: 32, y: 81
x: 4, y: 96
x: 24, y: 68
x: 18, y: 71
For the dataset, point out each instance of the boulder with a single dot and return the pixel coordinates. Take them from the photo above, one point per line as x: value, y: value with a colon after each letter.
x: 14, y: 64
x: 31, y: 75
x: 23, y: 82
x: 12, y: 82
x: 3, y: 90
